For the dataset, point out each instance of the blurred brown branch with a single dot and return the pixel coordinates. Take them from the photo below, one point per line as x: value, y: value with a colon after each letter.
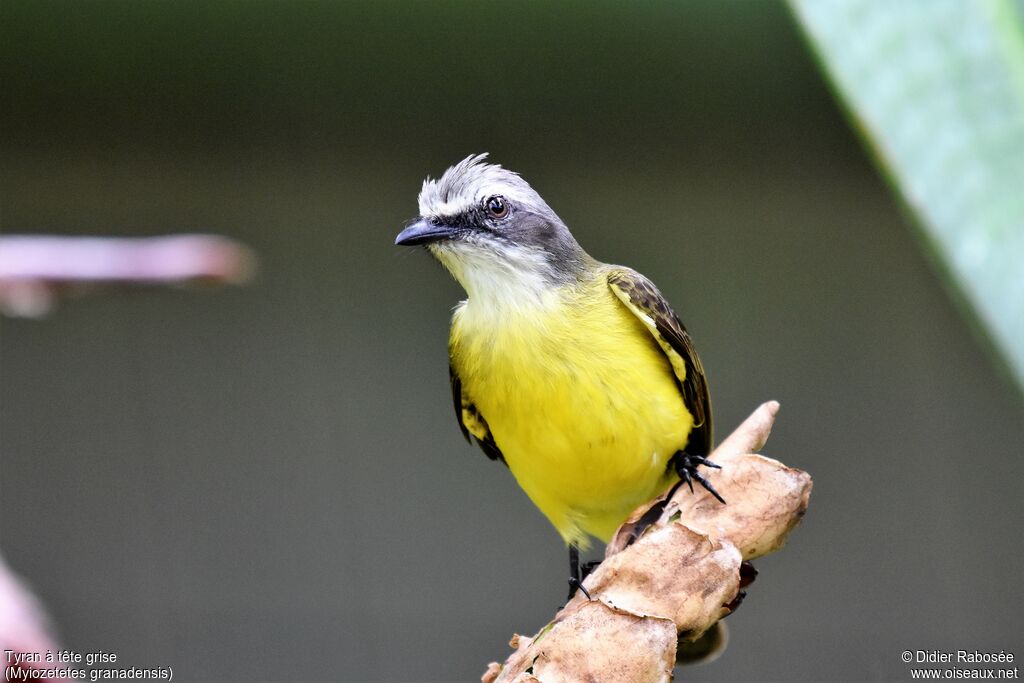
x: 661, y: 587
x: 35, y: 269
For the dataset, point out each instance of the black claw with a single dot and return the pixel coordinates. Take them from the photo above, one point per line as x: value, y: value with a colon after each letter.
x: 576, y: 573
x: 574, y: 585
x: 707, y: 485
x: 686, y: 466
x: 700, y: 460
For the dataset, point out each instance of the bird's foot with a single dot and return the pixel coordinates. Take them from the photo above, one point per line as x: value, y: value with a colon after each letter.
x: 686, y: 466
x: 579, y: 572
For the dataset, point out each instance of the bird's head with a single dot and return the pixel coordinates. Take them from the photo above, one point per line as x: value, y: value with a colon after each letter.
x: 492, y: 231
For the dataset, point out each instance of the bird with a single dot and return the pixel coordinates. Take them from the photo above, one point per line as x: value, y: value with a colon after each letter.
x: 576, y: 374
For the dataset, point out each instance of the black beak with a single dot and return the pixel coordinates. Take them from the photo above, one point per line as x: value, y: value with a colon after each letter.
x: 423, y: 231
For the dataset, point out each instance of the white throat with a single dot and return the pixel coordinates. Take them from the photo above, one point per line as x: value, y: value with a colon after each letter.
x: 498, y: 278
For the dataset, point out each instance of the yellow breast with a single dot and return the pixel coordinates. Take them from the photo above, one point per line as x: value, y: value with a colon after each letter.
x: 579, y: 398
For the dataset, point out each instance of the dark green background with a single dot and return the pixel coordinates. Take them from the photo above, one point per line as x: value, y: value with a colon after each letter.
x: 267, y: 483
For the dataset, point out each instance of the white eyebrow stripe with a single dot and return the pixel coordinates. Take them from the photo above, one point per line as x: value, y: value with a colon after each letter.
x: 469, y: 182
x: 450, y: 208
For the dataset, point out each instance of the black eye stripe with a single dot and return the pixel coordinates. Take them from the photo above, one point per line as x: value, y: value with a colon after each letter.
x: 481, y: 216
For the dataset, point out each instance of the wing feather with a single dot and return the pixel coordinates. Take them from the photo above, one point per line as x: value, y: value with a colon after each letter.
x: 470, y: 420
x: 644, y: 300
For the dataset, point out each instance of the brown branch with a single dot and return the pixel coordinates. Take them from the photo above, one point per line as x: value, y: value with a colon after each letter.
x: 667, y: 584
x: 35, y: 269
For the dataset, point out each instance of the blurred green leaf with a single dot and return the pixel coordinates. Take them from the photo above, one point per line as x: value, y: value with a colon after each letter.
x: 937, y: 89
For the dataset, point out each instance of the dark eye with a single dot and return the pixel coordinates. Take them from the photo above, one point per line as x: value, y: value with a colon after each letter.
x: 497, y: 207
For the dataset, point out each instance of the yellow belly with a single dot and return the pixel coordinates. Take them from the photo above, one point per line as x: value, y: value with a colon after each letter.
x: 579, y: 398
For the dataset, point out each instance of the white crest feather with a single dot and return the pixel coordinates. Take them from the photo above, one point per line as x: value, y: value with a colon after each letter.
x: 470, y: 182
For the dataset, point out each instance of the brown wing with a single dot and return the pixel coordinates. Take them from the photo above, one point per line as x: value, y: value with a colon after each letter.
x: 645, y: 301
x: 470, y: 420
